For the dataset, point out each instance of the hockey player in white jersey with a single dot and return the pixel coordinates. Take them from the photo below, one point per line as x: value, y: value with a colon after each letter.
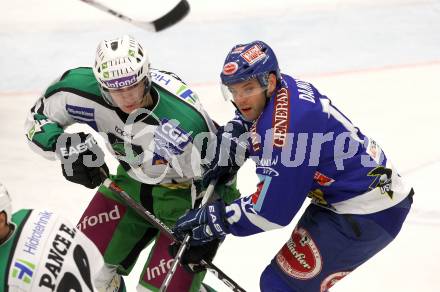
x: 41, y: 252
x: 149, y: 119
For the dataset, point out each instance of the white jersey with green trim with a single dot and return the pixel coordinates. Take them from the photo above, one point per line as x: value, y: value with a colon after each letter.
x: 47, y: 253
x: 155, y: 146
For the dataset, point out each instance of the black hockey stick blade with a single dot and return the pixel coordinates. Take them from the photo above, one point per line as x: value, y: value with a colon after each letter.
x: 173, y: 16
x: 169, y: 19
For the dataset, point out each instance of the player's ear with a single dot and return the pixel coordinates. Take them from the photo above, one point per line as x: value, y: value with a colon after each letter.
x: 271, y: 83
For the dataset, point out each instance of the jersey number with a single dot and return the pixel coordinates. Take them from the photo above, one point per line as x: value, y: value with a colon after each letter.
x: 69, y: 282
x: 329, y: 109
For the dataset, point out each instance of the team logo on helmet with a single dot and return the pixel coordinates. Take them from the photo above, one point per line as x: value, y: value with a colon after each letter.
x: 253, y: 54
x: 230, y: 68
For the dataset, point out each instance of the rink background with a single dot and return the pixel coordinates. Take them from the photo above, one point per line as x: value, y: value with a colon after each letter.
x: 379, y: 61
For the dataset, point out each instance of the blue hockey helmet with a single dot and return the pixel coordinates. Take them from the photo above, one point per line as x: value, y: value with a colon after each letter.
x: 248, y: 61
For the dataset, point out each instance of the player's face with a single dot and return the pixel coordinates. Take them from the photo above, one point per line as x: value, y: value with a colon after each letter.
x: 4, y: 228
x: 250, y: 98
x: 130, y: 98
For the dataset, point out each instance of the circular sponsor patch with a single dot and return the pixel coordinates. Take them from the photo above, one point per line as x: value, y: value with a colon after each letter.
x: 332, y: 280
x: 300, y: 257
x: 230, y: 68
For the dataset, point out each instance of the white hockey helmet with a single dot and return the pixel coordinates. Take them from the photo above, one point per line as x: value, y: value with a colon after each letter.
x: 5, y: 203
x: 119, y: 63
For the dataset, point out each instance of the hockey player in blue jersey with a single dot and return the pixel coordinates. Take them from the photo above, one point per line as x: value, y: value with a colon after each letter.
x: 303, y: 146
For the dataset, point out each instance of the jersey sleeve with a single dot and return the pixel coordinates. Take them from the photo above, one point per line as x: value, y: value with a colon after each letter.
x: 62, y: 104
x: 45, y: 122
x: 285, y: 173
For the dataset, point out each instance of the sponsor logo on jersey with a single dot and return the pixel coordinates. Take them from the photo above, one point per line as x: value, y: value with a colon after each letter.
x: 33, y: 241
x: 187, y: 94
x: 81, y: 112
x: 160, y: 78
x: 100, y: 220
x: 54, y: 261
x: 318, y: 198
x: 170, y: 139
x: 184, y: 92
x: 382, y: 180
x: 160, y: 262
x: 123, y: 133
x: 266, y: 170
x: 322, y: 179
x: 299, y: 257
x: 38, y: 127
x: 255, y: 138
x: 264, y: 166
x: 268, y: 161
x: 255, y: 196
x: 280, y: 120
x: 84, y: 115
x: 331, y: 280
x: 23, y: 270
x: 159, y: 270
x: 104, y: 217
x: 373, y: 149
x: 253, y: 54
x: 121, y: 82
x: 230, y: 68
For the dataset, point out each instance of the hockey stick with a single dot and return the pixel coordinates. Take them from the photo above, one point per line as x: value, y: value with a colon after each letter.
x: 185, y: 241
x: 150, y: 217
x: 169, y: 19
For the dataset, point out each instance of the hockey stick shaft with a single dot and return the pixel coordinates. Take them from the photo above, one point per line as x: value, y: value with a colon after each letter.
x: 172, y: 17
x: 166, y: 282
x: 147, y: 215
x: 185, y: 242
x: 144, y: 213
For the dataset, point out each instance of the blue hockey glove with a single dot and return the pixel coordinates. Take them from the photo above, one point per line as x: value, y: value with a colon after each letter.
x: 204, y: 224
x: 231, y: 151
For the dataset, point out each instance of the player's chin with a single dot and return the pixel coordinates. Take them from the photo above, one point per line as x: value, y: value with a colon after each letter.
x: 250, y: 114
x: 129, y: 109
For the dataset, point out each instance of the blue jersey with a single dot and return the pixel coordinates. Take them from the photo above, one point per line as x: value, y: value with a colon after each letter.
x: 304, y: 146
